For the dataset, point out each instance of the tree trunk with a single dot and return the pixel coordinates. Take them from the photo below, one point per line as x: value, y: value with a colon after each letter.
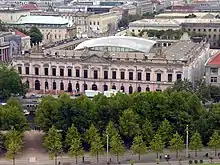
x: 215, y: 152
x: 157, y: 155
x: 97, y: 157
x: 13, y: 161
x: 117, y: 157
x: 76, y: 159
x: 195, y: 152
x: 139, y: 156
x: 177, y: 154
x: 55, y: 160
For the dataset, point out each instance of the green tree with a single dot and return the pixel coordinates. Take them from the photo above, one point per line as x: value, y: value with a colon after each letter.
x: 129, y: 123
x: 2, y: 141
x: 53, y: 143
x: 165, y: 131
x: 36, y: 36
x: 157, y: 144
x: 177, y: 144
x: 110, y: 129
x: 196, y: 143
x: 117, y: 146
x: 138, y: 146
x: 13, y: 144
x: 214, y: 142
x: 12, y: 101
x: 90, y: 134
x: 74, y: 141
x: 10, y: 82
x: 147, y: 131
x: 97, y: 148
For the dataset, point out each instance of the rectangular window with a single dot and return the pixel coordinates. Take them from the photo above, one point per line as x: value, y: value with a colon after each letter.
x: 95, y: 74
x: 214, y: 79
x: 130, y: 75
x: 54, y: 72
x: 27, y: 70
x: 61, y: 72
x: 77, y: 73
x: 46, y: 71
x: 85, y: 73
x: 19, y: 70
x: 214, y: 70
x: 36, y: 71
x: 178, y: 76
x: 147, y: 76
x: 139, y: 76
x: 158, y: 76
x: 105, y: 74
x: 122, y: 75
x: 170, y: 77
x: 69, y: 72
x: 113, y: 74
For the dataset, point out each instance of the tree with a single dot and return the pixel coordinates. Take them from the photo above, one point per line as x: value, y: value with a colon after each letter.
x: 129, y: 123
x: 214, y: 142
x: 10, y: 82
x: 90, y: 134
x: 177, y: 144
x: 111, y: 130
x: 147, y: 131
x: 117, y: 145
x: 138, y: 146
x: 74, y: 141
x: 196, y: 143
x: 97, y: 147
x: 36, y: 36
x: 53, y: 143
x: 2, y: 141
x: 165, y: 131
x: 13, y: 144
x: 157, y: 144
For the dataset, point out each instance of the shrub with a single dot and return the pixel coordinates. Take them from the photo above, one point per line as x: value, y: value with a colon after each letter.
x: 196, y: 161
x: 201, y: 161
x: 190, y: 161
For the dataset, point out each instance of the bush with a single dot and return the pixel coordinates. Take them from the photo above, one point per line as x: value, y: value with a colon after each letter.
x: 190, y: 161
x: 201, y: 161
x: 196, y: 161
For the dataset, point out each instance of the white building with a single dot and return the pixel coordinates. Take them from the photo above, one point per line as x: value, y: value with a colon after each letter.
x: 12, y: 15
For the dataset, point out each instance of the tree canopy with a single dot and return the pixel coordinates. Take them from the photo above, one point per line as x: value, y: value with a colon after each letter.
x: 36, y: 35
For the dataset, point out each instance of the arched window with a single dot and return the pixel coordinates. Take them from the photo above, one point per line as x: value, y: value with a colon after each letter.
x: 130, y: 90
x: 37, y: 85
x: 122, y: 88
x: 139, y: 89
x: 147, y: 88
x: 105, y: 87
x: 113, y: 87
x: 77, y: 87
x: 85, y: 87
x: 54, y: 85
x: 61, y: 86
x: 46, y: 85
x: 27, y: 84
x: 94, y: 87
x: 70, y: 89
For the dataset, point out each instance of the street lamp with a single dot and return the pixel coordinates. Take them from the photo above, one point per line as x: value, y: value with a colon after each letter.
x: 187, y: 141
x: 107, y: 144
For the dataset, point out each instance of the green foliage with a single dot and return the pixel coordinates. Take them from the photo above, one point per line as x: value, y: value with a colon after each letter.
x: 97, y: 148
x: 157, y: 144
x: 10, y: 82
x: 165, y: 131
x: 90, y: 134
x: 2, y: 141
x: 214, y: 142
x: 53, y: 143
x: 147, y: 131
x: 138, y: 146
x: 117, y: 145
x: 196, y: 143
x: 13, y: 102
x: 13, y: 144
x: 129, y: 123
x: 72, y: 133
x: 177, y: 144
x: 111, y: 129
x: 36, y: 36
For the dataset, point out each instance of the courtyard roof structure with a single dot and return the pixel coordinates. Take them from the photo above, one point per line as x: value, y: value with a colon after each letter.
x: 134, y: 43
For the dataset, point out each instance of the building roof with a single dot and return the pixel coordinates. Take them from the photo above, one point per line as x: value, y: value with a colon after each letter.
x: 135, y: 43
x: 155, y: 23
x: 29, y: 6
x: 17, y: 32
x: 215, y: 60
x: 52, y: 20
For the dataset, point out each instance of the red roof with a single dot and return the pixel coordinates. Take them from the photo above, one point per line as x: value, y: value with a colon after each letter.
x: 215, y: 60
x: 29, y: 6
x: 20, y: 33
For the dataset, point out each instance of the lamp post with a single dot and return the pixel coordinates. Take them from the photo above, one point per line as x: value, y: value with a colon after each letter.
x: 187, y: 141
x: 107, y: 144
